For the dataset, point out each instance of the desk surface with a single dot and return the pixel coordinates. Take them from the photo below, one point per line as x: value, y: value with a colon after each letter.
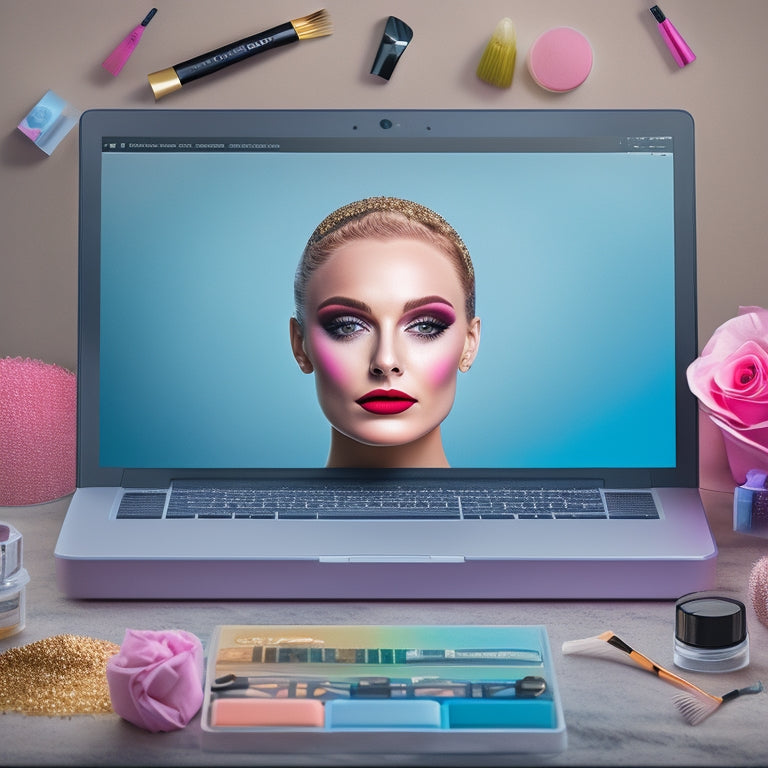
x: 615, y: 713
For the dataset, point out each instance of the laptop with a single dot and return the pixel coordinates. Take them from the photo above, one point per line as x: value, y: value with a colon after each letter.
x: 571, y: 443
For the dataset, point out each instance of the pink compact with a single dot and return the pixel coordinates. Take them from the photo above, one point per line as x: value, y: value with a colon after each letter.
x: 560, y: 59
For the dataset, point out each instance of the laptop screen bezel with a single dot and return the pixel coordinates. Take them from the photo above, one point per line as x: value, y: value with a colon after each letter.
x: 95, y: 125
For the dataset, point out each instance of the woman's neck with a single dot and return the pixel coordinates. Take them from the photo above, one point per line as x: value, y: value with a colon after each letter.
x: 427, y: 451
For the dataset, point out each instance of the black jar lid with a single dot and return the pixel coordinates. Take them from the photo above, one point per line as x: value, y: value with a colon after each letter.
x: 707, y: 621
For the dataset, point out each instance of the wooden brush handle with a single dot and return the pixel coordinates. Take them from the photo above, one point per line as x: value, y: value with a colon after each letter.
x: 651, y: 666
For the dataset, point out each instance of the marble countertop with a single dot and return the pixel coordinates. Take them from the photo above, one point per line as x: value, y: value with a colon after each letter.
x: 615, y: 713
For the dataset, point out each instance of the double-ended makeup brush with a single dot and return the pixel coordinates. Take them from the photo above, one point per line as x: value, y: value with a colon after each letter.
x: 694, y: 704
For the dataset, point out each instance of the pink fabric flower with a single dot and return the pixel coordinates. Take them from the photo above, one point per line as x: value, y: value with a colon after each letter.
x: 730, y: 377
x: 156, y: 680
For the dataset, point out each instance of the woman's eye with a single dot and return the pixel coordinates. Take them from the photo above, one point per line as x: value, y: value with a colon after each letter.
x: 427, y: 327
x: 344, y: 327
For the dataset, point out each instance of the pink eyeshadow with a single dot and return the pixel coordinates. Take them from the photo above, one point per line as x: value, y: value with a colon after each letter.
x: 441, y: 311
x: 332, y: 311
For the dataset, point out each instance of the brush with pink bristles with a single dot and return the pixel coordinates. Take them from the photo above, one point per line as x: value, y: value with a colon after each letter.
x: 117, y: 59
x: 694, y: 704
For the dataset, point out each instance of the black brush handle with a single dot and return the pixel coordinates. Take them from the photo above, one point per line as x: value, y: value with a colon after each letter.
x: 230, y: 54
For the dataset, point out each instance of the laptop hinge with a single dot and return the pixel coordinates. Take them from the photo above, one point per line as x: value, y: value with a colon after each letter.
x: 391, y: 559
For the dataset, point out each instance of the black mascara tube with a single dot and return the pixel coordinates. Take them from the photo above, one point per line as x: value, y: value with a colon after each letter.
x: 168, y: 80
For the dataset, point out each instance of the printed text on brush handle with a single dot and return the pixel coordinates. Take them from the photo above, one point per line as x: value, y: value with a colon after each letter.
x: 230, y: 54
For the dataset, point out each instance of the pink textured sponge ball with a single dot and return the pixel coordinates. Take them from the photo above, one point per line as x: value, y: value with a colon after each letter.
x: 38, y: 403
x: 758, y: 589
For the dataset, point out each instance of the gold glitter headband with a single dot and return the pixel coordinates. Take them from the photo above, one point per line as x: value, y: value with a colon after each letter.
x: 413, y: 211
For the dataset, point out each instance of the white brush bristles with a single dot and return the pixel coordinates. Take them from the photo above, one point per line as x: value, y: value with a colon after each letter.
x: 587, y: 645
x: 695, y: 707
x: 598, y: 647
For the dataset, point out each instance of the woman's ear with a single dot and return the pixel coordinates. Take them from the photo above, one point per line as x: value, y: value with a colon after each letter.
x: 297, y: 345
x: 471, y: 345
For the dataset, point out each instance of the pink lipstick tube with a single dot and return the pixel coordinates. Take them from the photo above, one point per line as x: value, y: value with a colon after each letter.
x: 679, y: 49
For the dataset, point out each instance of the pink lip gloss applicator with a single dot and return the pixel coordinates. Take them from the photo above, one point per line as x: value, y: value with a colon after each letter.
x: 679, y: 49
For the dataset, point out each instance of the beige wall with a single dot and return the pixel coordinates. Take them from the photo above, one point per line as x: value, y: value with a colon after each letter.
x: 45, y: 44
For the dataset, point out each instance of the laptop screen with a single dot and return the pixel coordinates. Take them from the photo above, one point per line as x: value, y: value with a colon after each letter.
x: 581, y: 233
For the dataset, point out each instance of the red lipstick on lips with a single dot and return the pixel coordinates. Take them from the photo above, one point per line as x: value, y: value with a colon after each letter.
x: 386, y: 402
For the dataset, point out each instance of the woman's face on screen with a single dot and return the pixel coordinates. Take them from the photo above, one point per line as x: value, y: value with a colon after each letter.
x: 385, y: 334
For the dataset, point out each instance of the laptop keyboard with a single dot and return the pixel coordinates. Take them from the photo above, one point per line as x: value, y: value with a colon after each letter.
x: 372, y: 501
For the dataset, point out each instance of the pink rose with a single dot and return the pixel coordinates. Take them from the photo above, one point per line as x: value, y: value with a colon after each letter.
x: 730, y: 377
x: 156, y: 680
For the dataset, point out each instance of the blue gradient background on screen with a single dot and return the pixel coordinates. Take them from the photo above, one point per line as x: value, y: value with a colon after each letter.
x: 574, y: 261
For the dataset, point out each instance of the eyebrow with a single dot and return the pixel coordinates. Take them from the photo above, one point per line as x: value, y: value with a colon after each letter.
x: 344, y: 301
x: 416, y: 303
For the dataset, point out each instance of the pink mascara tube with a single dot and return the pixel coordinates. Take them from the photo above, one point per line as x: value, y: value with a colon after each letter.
x: 679, y: 49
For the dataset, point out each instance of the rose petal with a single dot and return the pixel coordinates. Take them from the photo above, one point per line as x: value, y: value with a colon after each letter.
x: 740, y: 384
x: 730, y: 377
x: 750, y: 325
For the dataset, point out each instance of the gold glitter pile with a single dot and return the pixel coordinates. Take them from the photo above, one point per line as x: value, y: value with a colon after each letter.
x: 60, y: 675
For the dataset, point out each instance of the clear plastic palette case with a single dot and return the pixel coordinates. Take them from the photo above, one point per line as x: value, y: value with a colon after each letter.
x: 457, y: 688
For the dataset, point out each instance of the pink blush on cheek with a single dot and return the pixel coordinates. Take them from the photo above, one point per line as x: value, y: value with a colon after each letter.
x: 442, y: 371
x: 328, y: 359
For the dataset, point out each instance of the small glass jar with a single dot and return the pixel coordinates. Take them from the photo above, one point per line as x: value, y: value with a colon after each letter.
x: 13, y: 582
x: 710, y: 633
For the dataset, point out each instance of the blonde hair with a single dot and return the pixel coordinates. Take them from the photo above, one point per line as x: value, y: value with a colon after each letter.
x: 383, y: 218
